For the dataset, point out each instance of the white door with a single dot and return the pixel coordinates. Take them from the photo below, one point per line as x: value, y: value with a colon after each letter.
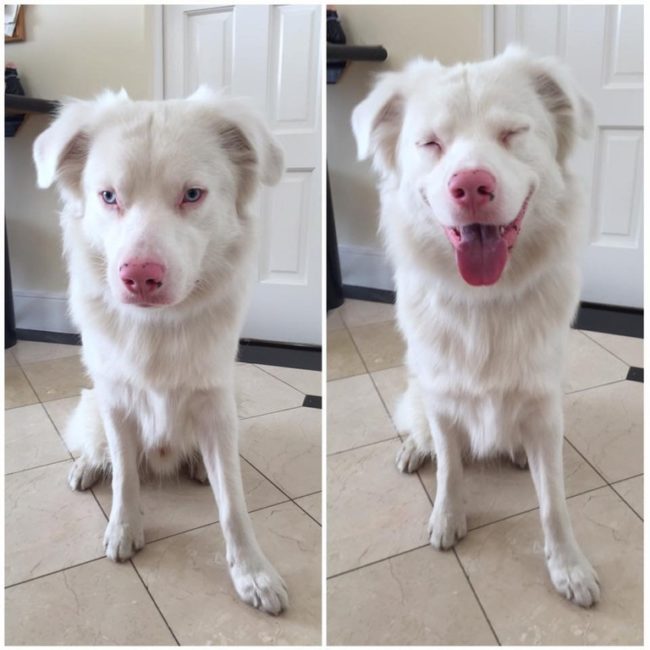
x: 271, y: 54
x: 603, y: 44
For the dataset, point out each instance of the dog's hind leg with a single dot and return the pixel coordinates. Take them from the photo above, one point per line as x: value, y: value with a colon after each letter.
x: 84, y: 436
x: 411, y: 419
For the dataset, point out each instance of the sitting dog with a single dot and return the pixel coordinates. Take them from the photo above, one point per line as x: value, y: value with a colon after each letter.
x: 161, y: 247
x: 482, y: 222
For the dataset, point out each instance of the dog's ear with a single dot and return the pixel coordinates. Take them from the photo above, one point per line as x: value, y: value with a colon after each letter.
x: 377, y: 122
x: 245, y: 137
x: 572, y: 114
x: 60, y: 152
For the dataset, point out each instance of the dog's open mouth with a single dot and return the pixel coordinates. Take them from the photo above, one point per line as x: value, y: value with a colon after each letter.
x: 482, y: 249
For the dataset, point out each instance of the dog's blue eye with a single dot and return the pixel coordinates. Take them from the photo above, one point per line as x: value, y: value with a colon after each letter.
x: 110, y: 198
x: 192, y: 195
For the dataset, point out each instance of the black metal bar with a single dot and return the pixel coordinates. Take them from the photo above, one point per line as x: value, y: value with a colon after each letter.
x: 356, y: 53
x: 20, y: 104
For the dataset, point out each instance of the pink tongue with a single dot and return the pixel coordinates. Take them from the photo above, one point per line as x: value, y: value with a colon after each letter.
x: 481, y: 255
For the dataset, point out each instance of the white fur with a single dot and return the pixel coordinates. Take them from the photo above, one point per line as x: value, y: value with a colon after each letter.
x: 163, y: 375
x: 485, y: 363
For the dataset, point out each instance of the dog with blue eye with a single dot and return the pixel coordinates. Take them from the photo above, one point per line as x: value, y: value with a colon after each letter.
x: 160, y: 245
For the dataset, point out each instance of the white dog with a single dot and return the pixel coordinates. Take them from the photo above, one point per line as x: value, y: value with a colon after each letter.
x: 482, y: 223
x: 160, y: 248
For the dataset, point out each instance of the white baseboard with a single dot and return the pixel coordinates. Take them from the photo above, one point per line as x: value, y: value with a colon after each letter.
x: 46, y: 312
x: 363, y: 266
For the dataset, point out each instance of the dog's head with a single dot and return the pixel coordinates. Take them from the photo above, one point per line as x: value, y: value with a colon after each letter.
x: 159, y: 189
x: 477, y: 153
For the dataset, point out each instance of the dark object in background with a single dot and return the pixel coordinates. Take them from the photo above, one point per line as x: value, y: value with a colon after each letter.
x: 12, y: 87
x: 336, y: 35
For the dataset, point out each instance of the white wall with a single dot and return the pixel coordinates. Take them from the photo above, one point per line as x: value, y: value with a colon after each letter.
x: 449, y: 33
x: 74, y: 51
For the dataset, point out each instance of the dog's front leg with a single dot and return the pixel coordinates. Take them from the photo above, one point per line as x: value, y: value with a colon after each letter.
x: 570, y: 571
x: 448, y: 522
x: 253, y: 576
x: 125, y: 532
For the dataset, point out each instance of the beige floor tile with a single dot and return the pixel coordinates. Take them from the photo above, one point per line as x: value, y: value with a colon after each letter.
x: 590, y: 365
x: 306, y: 381
x: 57, y: 378
x: 343, y: 360
x: 100, y: 603
x: 18, y: 392
x: 355, y: 414
x: 10, y: 359
x: 505, y: 563
x: 187, y: 576
x: 313, y: 505
x: 31, y: 439
x: 286, y: 448
x: 373, y: 511
x: 380, y: 345
x: 391, y: 384
x: 626, y: 348
x: 496, y: 489
x: 173, y: 506
x: 33, y: 351
x: 632, y: 491
x: 419, y: 598
x: 258, y: 392
x: 606, y: 426
x: 362, y: 312
x: 334, y: 320
x: 49, y: 527
x: 60, y: 411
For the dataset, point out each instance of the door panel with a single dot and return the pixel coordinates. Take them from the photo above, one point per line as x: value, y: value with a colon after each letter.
x: 603, y: 45
x: 270, y: 54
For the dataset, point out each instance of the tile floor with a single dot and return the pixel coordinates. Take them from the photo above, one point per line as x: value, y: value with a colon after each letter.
x: 61, y: 590
x: 388, y: 587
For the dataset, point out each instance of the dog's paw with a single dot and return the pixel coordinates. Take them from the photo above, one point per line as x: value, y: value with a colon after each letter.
x: 83, y: 475
x: 123, y: 540
x: 574, y: 577
x: 446, y: 527
x: 260, y: 585
x: 409, y: 458
x: 520, y: 459
x: 197, y: 472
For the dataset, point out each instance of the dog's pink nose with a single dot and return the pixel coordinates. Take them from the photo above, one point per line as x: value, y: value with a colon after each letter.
x: 472, y: 188
x: 142, y: 278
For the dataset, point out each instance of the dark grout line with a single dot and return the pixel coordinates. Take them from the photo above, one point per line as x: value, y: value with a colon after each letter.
x: 51, y: 573
x: 262, y: 368
x: 383, y: 559
x: 29, y: 469
x: 260, y: 415
x: 478, y: 600
x: 367, y: 444
x: 153, y: 600
x: 623, y: 499
x: 582, y: 390
x: 586, y: 333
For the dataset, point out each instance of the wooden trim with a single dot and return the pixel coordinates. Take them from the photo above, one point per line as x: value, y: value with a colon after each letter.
x: 19, y: 33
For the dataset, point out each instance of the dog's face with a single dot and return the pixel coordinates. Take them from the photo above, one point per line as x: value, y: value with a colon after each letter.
x: 160, y: 188
x: 475, y: 151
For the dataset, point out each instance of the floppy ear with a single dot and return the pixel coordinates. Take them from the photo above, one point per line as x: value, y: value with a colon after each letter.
x: 246, y: 138
x: 571, y: 112
x: 60, y: 151
x: 377, y: 122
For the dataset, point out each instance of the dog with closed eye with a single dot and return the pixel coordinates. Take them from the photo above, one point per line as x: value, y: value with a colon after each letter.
x: 160, y: 245
x: 482, y: 221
